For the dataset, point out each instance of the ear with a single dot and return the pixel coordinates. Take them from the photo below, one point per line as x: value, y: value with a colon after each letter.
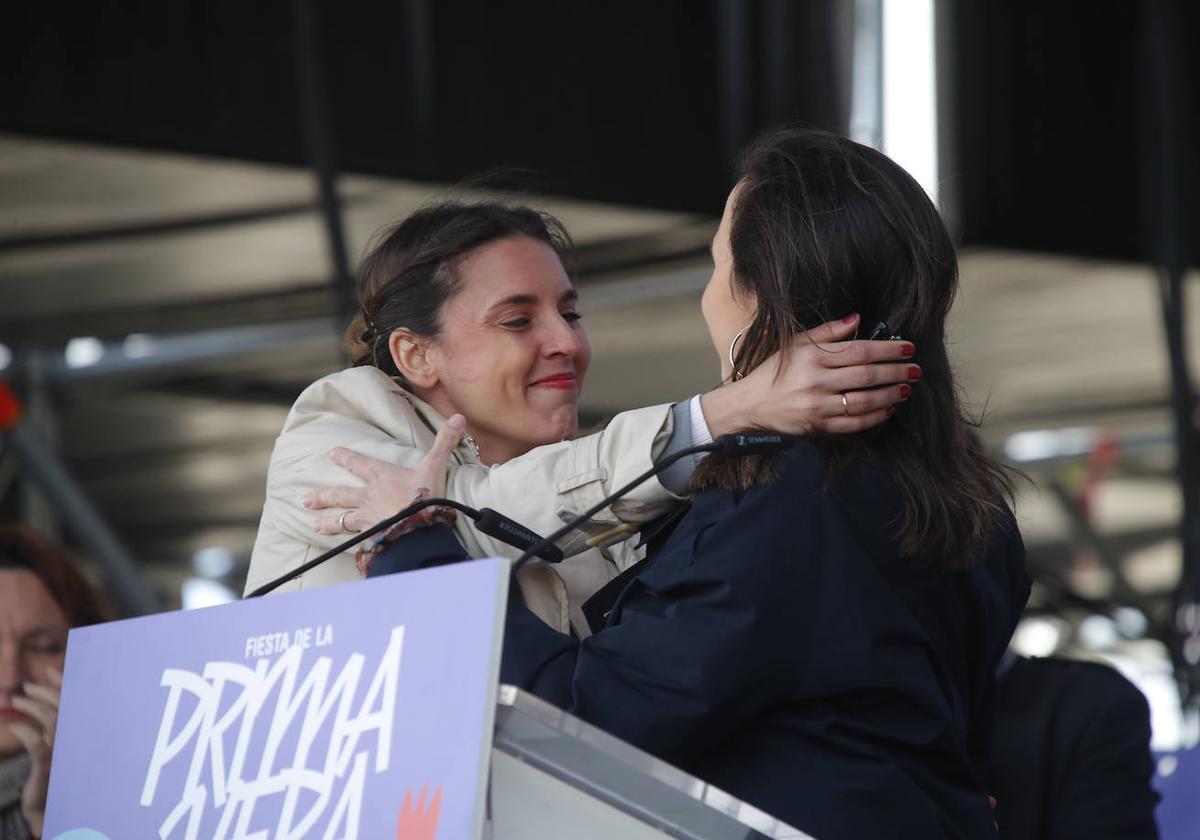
x: 412, y: 357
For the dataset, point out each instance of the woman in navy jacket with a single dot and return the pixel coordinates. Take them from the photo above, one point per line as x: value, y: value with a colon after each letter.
x: 818, y: 632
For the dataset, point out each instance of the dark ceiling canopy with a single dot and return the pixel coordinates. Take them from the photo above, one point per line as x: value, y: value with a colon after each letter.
x: 642, y: 103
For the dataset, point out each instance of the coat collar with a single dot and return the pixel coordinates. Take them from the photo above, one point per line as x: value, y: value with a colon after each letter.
x: 599, y: 607
x: 432, y: 420
x: 654, y: 534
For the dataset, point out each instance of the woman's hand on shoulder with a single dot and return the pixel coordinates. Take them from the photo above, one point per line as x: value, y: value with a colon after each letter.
x: 386, y: 488
x: 828, y: 382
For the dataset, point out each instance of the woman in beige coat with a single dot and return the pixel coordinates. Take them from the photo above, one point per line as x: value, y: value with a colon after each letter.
x: 467, y: 310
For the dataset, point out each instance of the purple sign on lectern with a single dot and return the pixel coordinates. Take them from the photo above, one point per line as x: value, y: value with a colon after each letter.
x: 363, y: 710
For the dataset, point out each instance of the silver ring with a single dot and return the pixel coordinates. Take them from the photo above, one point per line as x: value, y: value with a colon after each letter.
x: 342, y: 522
x: 845, y: 406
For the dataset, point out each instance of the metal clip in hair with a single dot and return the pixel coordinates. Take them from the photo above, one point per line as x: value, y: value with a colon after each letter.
x: 881, y: 331
x: 369, y: 334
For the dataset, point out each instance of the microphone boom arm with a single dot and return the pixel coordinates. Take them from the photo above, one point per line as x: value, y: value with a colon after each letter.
x: 733, y: 445
x: 488, y: 521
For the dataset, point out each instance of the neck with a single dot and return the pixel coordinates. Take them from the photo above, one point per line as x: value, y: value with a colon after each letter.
x: 492, y: 449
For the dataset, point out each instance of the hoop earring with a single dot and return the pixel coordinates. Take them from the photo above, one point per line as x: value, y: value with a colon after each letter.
x: 737, y: 374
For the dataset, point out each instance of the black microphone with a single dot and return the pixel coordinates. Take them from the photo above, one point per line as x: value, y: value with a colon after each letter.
x: 488, y: 521
x: 732, y: 445
x: 509, y: 531
x: 736, y: 444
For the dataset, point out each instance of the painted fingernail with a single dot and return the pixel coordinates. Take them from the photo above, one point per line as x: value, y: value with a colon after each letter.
x: 907, y: 350
x: 849, y: 319
x: 914, y: 373
x: 905, y: 392
x: 891, y: 410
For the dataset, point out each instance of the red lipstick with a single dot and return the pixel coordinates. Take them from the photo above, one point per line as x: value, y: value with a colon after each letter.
x: 558, y: 380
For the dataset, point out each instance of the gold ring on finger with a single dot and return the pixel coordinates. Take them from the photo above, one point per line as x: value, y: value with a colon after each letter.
x: 342, y: 522
x: 845, y: 406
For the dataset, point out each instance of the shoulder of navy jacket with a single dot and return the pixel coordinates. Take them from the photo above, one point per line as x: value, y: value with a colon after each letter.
x: 598, y: 609
x: 662, y: 527
x: 803, y: 460
x: 714, y: 503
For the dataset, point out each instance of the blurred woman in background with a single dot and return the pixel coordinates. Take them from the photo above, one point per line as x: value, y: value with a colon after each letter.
x: 42, y: 596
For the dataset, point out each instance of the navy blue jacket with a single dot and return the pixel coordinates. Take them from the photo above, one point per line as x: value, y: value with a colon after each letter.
x: 774, y: 644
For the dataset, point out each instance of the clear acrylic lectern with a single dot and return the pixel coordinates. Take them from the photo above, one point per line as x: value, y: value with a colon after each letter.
x: 555, y: 777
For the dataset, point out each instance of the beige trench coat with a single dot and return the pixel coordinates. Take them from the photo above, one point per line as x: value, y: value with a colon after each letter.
x: 364, y: 410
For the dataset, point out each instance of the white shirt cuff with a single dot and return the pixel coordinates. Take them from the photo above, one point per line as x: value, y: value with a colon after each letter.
x: 700, y: 432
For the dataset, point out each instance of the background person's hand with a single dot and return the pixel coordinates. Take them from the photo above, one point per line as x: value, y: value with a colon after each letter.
x: 386, y: 488
x: 40, y: 704
x: 799, y: 390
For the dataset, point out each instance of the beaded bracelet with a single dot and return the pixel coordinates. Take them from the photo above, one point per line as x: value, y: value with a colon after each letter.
x: 424, y: 518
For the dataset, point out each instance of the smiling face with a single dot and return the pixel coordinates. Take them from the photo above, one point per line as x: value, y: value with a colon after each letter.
x: 511, y: 354
x: 33, y: 639
x: 724, y: 313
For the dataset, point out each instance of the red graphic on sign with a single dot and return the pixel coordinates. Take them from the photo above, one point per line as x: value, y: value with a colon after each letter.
x: 419, y: 822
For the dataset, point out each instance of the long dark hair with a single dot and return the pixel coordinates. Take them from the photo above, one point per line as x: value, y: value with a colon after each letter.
x: 822, y: 226
x: 410, y: 269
